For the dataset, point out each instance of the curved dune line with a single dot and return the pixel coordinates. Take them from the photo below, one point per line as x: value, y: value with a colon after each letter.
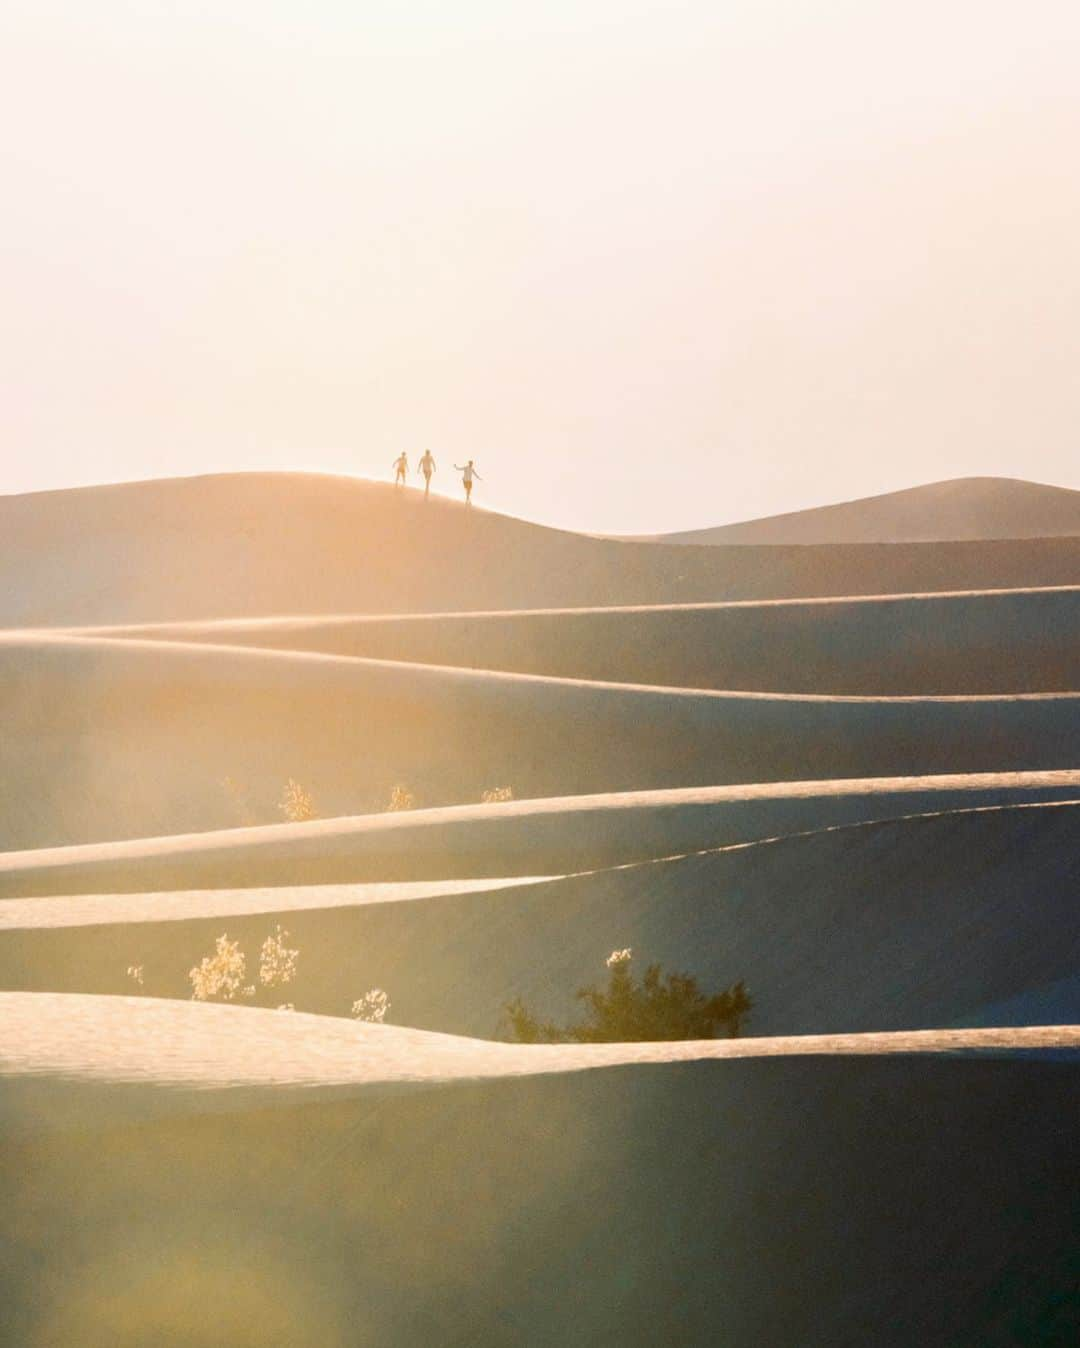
x: 134, y: 737
x: 102, y: 909
x: 256, y: 657
x: 95, y: 910
x: 169, y: 1044
x: 301, y: 621
x: 568, y: 833
x: 960, y: 643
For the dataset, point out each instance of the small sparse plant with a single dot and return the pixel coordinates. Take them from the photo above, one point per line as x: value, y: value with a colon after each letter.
x: 660, y: 1006
x: 136, y: 973
x: 401, y: 798
x: 220, y: 976
x: 496, y: 795
x: 372, y: 1006
x: 277, y: 963
x: 297, y: 804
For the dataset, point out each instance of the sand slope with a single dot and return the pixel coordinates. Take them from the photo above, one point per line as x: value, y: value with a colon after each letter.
x: 138, y: 1057
x: 265, y: 544
x: 905, y: 923
x: 774, y: 1201
x: 1007, y: 641
x: 526, y: 837
x: 866, y: 806
x: 115, y: 738
x: 964, y: 508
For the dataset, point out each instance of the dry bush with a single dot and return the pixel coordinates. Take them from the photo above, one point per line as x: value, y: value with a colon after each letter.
x: 136, y: 973
x: 401, y: 798
x: 277, y: 963
x: 372, y: 1006
x: 496, y: 795
x: 297, y: 804
x: 220, y: 976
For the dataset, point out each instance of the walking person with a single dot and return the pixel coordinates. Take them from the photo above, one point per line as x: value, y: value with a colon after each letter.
x: 467, y: 475
x: 401, y: 467
x: 427, y: 467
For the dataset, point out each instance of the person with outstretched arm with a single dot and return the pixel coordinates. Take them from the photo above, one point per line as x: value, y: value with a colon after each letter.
x: 401, y: 467
x: 467, y: 475
x: 427, y: 467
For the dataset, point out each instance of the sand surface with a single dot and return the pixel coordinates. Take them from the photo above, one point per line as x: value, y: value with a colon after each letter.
x: 178, y: 1056
x: 836, y: 756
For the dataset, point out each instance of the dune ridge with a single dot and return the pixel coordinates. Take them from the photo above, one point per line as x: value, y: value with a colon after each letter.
x: 124, y: 738
x: 962, y: 508
x: 466, y: 841
x: 260, y: 544
x: 190, y: 1051
x: 996, y: 641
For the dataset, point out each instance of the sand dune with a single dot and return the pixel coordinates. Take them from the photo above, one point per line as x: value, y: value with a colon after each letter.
x: 1002, y: 641
x: 526, y: 837
x: 265, y: 544
x: 965, y: 508
x: 153, y: 1056
x: 906, y: 923
x: 467, y: 1213
x: 118, y: 738
x: 866, y: 806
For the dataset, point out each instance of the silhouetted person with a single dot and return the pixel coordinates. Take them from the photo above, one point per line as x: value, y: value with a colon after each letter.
x: 467, y: 475
x: 401, y: 467
x: 427, y: 467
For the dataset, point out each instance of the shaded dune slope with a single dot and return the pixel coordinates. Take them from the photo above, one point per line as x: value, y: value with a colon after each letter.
x: 529, y: 837
x: 905, y: 923
x: 114, y: 738
x: 466, y: 1214
x: 260, y: 544
x: 963, y: 508
x: 1007, y: 641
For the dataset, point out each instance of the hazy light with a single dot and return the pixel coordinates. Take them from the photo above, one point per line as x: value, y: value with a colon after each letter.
x: 653, y: 266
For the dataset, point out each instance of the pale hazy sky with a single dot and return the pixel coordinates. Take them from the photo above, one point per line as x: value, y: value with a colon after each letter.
x: 652, y: 265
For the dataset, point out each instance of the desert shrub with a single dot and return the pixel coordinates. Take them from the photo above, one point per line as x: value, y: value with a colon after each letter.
x: 625, y: 1010
x: 137, y: 975
x: 220, y: 976
x: 297, y: 804
x: 277, y: 963
x: 401, y: 798
x: 372, y: 1006
x: 496, y: 795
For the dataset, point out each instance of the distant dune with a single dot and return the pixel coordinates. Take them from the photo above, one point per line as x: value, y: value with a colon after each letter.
x: 270, y: 544
x: 964, y: 508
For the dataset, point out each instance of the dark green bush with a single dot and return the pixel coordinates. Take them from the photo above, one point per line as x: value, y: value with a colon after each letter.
x: 660, y: 1006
